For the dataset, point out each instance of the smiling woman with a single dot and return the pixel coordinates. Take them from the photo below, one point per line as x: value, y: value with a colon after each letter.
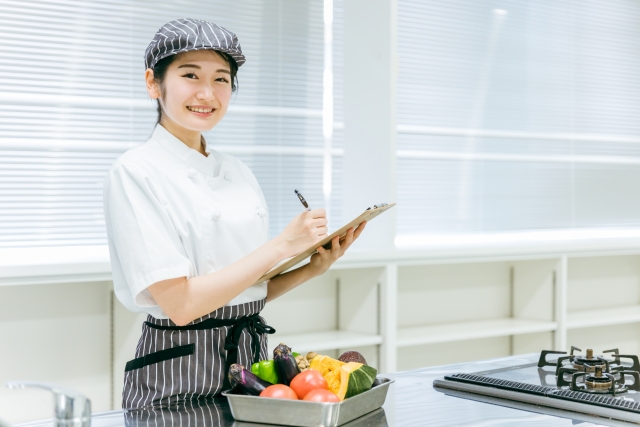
x: 193, y: 90
x: 188, y: 229
x: 191, y: 69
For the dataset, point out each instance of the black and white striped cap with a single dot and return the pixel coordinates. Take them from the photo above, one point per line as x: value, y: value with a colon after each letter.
x: 184, y: 35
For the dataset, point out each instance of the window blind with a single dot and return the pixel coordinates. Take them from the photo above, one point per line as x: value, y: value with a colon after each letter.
x: 518, y: 116
x: 72, y: 99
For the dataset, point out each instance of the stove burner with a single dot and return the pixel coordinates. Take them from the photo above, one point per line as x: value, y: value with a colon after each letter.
x: 597, y: 381
x: 593, y: 374
x: 588, y: 363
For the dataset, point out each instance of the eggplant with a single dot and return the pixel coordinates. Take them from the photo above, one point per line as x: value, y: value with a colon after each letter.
x: 286, y: 364
x: 245, y: 382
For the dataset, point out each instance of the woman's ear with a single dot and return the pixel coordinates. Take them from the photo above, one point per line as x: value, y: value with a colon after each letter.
x: 153, y: 88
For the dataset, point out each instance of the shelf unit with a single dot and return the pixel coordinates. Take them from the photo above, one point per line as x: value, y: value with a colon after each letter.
x: 532, y: 287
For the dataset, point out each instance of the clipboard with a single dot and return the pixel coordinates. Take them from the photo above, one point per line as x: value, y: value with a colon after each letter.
x: 367, y: 215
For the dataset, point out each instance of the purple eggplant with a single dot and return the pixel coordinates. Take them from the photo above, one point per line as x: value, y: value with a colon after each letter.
x: 246, y: 382
x: 286, y: 364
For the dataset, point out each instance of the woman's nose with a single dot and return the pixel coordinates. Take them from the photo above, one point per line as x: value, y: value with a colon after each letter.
x: 205, y: 93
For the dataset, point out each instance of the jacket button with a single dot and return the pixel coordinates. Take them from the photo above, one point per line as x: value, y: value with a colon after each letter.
x: 192, y: 173
x: 228, y: 176
x: 216, y: 215
x: 261, y: 212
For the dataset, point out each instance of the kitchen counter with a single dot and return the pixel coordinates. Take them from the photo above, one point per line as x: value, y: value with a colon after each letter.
x: 412, y: 401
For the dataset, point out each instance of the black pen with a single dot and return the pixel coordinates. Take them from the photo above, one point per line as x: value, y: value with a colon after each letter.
x: 302, y: 200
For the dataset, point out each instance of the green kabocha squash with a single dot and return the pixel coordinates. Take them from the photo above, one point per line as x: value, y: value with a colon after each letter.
x: 355, y: 378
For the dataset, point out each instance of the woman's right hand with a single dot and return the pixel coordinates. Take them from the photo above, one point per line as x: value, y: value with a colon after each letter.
x: 304, y: 230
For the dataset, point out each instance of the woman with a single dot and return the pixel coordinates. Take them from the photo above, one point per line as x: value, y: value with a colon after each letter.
x: 188, y: 229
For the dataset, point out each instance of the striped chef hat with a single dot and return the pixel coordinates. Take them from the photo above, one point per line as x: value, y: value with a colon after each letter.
x: 184, y: 35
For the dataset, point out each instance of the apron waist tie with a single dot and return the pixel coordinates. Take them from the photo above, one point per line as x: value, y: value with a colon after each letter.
x: 253, y: 324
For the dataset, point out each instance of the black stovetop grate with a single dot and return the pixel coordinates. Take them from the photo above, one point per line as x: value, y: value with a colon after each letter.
x: 575, y: 396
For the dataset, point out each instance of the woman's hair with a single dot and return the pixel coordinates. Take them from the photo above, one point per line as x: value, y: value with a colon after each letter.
x: 161, y: 67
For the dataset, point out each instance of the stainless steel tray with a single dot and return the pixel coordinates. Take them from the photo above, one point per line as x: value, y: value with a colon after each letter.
x: 307, y: 414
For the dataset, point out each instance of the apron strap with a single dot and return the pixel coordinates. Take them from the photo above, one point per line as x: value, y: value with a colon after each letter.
x: 253, y: 324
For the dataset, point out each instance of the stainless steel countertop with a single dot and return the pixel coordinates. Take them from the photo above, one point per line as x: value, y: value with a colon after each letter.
x: 412, y: 401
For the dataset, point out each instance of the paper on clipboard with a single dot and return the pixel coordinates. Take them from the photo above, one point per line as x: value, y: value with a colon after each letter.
x: 283, y: 266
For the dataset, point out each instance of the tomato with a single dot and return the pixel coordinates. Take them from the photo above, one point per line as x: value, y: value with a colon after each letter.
x: 306, y: 381
x: 321, y: 395
x: 279, y: 391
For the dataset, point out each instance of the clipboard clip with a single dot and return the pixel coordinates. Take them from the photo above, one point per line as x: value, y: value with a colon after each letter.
x: 379, y: 205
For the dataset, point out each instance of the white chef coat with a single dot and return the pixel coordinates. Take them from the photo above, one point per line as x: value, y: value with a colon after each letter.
x: 172, y: 212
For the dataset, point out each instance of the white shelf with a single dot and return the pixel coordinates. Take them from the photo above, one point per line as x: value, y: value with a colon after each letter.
x: 470, y: 330
x: 328, y: 340
x: 603, y: 317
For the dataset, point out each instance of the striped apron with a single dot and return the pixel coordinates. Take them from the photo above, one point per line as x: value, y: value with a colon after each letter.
x: 178, y: 363
x: 194, y: 413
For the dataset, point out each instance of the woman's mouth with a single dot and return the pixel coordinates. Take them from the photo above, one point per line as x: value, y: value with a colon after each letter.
x: 201, y: 111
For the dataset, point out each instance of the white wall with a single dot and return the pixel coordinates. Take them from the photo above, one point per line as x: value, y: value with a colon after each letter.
x: 54, y: 333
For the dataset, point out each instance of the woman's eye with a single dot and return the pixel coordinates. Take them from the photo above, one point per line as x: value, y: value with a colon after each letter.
x: 222, y: 79
x: 190, y: 76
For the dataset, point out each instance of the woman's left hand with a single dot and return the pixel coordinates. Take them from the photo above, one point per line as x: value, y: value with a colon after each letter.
x: 321, y: 261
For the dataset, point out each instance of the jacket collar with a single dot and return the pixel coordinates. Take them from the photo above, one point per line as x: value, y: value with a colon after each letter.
x: 188, y: 155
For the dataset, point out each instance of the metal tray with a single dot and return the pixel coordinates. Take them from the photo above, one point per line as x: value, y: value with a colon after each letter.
x: 307, y: 414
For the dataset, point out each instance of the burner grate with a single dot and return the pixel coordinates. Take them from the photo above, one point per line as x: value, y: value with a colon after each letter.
x: 593, y: 399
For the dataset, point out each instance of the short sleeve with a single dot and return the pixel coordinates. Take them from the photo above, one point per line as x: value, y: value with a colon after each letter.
x: 141, y: 234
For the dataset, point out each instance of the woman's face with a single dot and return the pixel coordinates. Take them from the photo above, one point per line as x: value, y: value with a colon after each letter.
x: 196, y: 89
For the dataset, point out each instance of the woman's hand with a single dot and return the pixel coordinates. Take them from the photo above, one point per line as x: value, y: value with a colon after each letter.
x: 321, y: 261
x: 304, y: 230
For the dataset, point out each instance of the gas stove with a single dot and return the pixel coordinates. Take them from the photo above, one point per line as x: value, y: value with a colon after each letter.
x: 605, y: 385
x: 594, y: 374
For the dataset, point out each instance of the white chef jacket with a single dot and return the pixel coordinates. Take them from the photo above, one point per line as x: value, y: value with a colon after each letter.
x: 172, y: 212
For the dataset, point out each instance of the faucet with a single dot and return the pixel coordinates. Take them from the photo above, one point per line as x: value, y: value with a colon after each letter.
x: 71, y: 409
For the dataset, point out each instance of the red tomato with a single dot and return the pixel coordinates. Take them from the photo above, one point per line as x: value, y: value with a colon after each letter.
x: 321, y: 395
x: 279, y: 391
x: 306, y: 381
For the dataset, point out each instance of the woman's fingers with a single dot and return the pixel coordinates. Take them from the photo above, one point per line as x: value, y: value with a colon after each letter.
x: 335, y: 244
x: 319, y: 222
x: 318, y: 213
x: 359, y: 230
x: 348, y: 240
x: 338, y: 248
x: 351, y: 236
